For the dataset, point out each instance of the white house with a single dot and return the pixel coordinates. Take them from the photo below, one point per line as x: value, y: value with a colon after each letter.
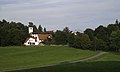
x: 31, y: 41
x: 36, y: 38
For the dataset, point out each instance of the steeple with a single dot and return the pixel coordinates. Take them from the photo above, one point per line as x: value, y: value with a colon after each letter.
x: 30, y: 29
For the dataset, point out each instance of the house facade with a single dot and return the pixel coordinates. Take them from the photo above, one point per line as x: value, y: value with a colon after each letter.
x: 36, y: 38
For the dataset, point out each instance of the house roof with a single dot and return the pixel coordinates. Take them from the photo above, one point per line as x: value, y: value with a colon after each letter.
x: 40, y: 36
x: 43, y: 36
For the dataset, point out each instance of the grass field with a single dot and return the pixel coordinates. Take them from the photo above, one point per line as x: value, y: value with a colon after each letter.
x: 27, y: 57
x: 106, y: 63
x: 109, y: 57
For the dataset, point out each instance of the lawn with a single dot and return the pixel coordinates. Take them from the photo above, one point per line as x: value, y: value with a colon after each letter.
x: 111, y: 56
x: 105, y: 63
x: 19, y: 57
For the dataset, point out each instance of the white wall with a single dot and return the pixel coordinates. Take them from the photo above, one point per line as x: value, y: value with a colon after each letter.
x: 30, y: 29
x: 31, y: 41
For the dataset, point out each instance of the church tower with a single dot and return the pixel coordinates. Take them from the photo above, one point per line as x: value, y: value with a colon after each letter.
x: 30, y: 29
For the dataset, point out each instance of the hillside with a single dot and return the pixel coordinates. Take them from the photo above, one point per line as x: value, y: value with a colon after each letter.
x: 106, y: 63
x: 28, y: 57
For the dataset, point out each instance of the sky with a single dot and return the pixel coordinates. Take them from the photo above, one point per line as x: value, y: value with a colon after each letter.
x: 58, y: 14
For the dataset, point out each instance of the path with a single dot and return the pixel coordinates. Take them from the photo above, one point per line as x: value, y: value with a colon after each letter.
x: 89, y: 58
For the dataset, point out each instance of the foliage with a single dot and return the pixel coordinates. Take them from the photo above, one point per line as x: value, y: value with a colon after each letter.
x: 115, y: 40
x: 12, y: 33
x: 40, y: 29
x: 60, y: 38
x: 90, y: 33
x: 45, y: 30
x: 102, y: 38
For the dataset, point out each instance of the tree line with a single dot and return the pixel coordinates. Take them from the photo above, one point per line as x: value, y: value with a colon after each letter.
x: 12, y: 33
x: 15, y: 33
x: 102, y: 38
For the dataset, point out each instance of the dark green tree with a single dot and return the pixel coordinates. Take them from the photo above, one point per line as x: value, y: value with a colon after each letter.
x: 116, y: 22
x: 12, y: 33
x: 40, y: 29
x: 102, y: 33
x: 112, y: 27
x: 30, y: 24
x: 35, y: 28
x: 60, y: 38
x: 71, y: 40
x: 115, y: 40
x: 85, y: 41
x: 66, y: 30
x: 98, y: 44
x: 90, y: 33
x: 45, y: 30
x: 67, y: 33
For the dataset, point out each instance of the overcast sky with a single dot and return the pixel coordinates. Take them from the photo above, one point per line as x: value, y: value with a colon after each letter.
x: 57, y: 14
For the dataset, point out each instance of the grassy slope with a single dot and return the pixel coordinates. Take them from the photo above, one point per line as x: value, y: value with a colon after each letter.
x: 109, y: 57
x: 100, y: 66
x: 25, y: 57
x: 106, y: 63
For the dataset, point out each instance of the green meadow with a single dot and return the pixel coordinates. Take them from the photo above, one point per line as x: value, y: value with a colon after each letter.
x: 22, y: 57
x: 109, y: 62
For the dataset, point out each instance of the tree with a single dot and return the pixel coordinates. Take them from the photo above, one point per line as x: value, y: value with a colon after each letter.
x: 77, y: 42
x: 85, y: 41
x: 66, y: 30
x: 102, y: 33
x: 40, y: 29
x: 45, y: 30
x: 115, y: 40
x: 12, y: 33
x: 112, y: 27
x: 30, y: 24
x: 116, y: 22
x: 35, y: 28
x: 90, y: 33
x: 71, y: 40
x: 60, y: 38
x: 98, y: 44
x: 67, y: 33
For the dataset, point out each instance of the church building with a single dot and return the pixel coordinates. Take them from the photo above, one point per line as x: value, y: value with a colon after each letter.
x: 36, y: 38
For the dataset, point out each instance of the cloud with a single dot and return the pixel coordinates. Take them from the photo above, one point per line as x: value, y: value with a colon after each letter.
x: 56, y: 14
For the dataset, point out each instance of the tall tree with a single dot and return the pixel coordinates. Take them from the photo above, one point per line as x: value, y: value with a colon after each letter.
x: 71, y: 40
x: 116, y: 22
x: 35, y: 28
x: 67, y: 33
x: 40, y: 29
x: 45, y: 30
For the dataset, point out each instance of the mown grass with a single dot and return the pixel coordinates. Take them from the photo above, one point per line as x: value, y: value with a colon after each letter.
x: 19, y: 57
x: 105, y: 63
x: 111, y: 56
x: 99, y: 66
